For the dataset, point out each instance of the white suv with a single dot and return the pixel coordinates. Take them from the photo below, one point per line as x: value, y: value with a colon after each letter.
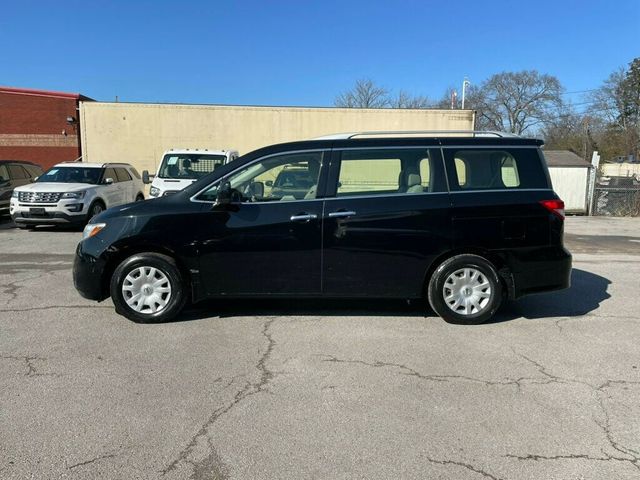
x: 71, y: 193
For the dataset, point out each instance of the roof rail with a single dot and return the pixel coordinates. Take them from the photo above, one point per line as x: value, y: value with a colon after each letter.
x: 433, y: 133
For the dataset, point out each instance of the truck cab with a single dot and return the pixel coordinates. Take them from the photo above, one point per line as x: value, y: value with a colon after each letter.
x: 180, y: 168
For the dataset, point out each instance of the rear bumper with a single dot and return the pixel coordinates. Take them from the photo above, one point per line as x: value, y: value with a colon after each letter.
x: 540, y: 270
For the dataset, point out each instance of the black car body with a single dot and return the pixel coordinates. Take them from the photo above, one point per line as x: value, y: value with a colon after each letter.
x: 386, y: 217
x: 15, y: 173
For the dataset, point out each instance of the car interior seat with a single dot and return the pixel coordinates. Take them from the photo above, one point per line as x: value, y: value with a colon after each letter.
x: 414, y: 184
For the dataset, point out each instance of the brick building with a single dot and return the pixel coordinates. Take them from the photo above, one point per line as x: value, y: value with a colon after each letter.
x: 39, y: 126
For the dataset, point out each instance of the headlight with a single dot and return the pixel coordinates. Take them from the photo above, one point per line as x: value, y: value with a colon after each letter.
x: 154, y: 191
x: 73, y: 194
x: 14, y: 194
x: 92, y: 229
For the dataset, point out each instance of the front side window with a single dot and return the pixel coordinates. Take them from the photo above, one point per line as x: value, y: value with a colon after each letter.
x: 189, y: 166
x: 389, y: 172
x: 71, y: 175
x: 279, y: 178
x: 111, y: 173
x: 487, y: 169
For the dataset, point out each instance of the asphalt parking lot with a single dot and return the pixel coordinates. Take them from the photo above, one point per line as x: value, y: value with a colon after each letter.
x: 264, y: 389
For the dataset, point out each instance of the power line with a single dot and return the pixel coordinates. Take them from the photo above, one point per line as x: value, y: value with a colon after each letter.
x: 580, y: 91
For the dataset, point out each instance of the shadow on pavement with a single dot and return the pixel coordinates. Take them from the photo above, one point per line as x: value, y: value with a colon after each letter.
x: 587, y: 291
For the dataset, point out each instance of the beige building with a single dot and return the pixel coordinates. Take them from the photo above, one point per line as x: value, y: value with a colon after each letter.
x: 138, y: 133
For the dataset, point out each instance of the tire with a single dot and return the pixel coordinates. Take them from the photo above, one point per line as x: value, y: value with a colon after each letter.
x: 140, y: 198
x: 465, y: 289
x: 96, y: 208
x: 161, y: 274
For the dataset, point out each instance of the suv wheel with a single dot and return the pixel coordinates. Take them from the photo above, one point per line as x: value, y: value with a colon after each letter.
x: 139, y: 198
x: 148, y: 288
x: 465, y: 289
x: 95, y: 209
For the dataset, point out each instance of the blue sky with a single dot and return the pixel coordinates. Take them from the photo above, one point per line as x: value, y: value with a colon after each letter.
x: 302, y: 52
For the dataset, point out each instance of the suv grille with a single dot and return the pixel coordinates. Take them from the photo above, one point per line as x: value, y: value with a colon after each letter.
x: 39, y: 197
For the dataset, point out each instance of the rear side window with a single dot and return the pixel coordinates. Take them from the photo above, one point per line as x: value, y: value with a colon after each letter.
x: 389, y: 172
x: 489, y: 169
x: 123, y: 175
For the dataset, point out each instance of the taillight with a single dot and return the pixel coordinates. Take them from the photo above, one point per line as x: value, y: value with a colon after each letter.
x: 554, y: 206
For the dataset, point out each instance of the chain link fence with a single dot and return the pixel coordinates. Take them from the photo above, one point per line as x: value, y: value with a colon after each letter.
x: 617, y: 197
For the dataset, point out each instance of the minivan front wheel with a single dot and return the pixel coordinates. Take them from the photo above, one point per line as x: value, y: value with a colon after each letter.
x: 148, y: 287
x: 465, y: 289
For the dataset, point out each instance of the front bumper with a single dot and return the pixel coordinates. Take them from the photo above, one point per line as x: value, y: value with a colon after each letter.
x: 88, y: 274
x: 47, y: 218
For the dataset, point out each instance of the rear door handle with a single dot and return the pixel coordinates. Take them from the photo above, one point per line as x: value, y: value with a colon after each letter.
x: 342, y: 214
x: 303, y: 217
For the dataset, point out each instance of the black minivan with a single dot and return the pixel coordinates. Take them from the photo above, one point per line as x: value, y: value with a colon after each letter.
x: 465, y: 221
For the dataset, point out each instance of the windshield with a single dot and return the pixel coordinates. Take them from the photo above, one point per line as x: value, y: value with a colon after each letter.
x: 71, y: 175
x: 189, y: 166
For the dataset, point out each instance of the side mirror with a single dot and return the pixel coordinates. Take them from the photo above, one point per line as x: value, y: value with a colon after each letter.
x: 108, y: 181
x: 145, y: 177
x: 269, y: 183
x: 35, y: 179
x: 223, y: 197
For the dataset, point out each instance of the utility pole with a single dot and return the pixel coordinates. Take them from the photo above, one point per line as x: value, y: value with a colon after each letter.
x: 465, y: 84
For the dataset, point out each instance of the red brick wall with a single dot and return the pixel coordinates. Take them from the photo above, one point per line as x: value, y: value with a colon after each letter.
x: 31, y: 128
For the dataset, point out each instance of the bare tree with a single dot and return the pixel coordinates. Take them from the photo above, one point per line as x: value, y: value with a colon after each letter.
x: 516, y: 101
x: 406, y: 100
x: 364, y: 94
x: 617, y: 104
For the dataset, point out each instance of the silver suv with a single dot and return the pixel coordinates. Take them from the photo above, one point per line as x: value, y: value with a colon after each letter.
x: 73, y: 193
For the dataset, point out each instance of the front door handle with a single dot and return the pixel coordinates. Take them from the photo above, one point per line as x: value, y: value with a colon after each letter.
x: 342, y: 214
x: 303, y: 217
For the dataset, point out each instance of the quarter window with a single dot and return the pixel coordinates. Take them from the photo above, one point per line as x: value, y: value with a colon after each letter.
x: 486, y: 169
x: 4, y: 173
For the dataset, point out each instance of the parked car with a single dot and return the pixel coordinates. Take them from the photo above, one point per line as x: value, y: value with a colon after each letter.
x: 73, y: 192
x: 15, y: 173
x: 180, y: 168
x: 463, y: 221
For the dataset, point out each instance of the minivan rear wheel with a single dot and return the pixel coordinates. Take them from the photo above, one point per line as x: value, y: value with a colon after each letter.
x: 148, y: 288
x: 465, y: 289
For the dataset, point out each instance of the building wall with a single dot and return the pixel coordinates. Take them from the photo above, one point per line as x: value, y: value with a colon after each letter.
x: 139, y: 133
x: 620, y: 169
x: 33, y: 126
x: 570, y: 183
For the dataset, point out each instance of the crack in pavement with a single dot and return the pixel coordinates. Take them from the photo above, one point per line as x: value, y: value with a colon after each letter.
x: 101, y: 457
x: 468, y: 466
x: 517, y: 382
x: 626, y: 454
x: 31, y: 369
x: 249, y: 389
x: 12, y: 288
x: 51, y: 307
